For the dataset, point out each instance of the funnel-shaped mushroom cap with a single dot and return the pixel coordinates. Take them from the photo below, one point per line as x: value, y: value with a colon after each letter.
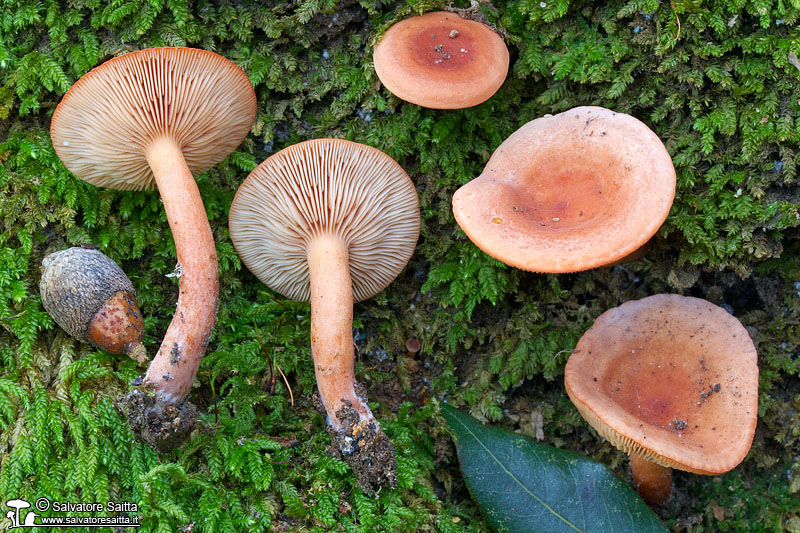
x: 441, y: 60
x: 104, y: 123
x: 570, y: 192
x: 671, y: 378
x: 326, y: 187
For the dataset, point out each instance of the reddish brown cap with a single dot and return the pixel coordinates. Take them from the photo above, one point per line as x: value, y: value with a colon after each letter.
x: 441, y: 60
x: 569, y: 192
x: 104, y: 123
x: 326, y: 186
x: 671, y: 378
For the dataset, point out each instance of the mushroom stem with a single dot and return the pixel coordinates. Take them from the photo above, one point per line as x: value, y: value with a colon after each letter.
x: 332, y: 327
x: 652, y: 481
x: 634, y: 255
x: 174, y: 366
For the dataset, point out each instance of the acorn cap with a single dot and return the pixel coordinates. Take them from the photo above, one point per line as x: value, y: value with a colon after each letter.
x: 671, y: 378
x: 76, y: 283
x: 106, y: 120
x: 569, y: 192
x: 441, y: 60
x: 326, y: 186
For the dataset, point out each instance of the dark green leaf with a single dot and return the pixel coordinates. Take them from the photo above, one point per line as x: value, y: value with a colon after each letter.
x: 525, y: 486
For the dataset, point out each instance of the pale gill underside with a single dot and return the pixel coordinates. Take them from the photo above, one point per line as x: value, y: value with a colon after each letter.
x: 104, y: 123
x: 326, y: 186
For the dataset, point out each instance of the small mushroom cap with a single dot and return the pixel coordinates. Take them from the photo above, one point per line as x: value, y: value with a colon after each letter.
x: 569, y: 192
x: 671, y: 378
x: 326, y: 187
x: 441, y: 60
x: 106, y: 120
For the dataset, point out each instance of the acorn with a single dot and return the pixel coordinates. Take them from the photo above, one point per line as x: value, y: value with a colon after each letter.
x: 92, y: 299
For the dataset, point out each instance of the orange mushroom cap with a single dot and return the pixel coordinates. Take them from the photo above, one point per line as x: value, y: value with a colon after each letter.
x: 569, y: 192
x: 670, y: 378
x: 441, y: 60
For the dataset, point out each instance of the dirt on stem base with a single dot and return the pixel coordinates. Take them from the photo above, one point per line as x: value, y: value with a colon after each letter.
x: 163, y: 427
x: 366, y: 448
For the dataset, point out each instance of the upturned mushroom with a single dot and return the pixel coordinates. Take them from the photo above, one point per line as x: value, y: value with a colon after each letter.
x: 92, y: 299
x: 564, y: 193
x: 442, y: 61
x: 17, y: 505
x: 673, y: 382
x: 159, y: 117
x: 331, y: 222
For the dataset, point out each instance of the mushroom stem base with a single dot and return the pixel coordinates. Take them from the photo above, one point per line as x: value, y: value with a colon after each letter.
x: 652, y: 481
x: 162, y: 425
x: 366, y: 448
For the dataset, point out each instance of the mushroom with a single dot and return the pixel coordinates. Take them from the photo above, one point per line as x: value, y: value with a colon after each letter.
x: 158, y: 117
x: 673, y: 382
x: 569, y: 192
x: 441, y: 60
x: 413, y: 346
x: 92, y: 299
x: 17, y: 505
x: 331, y: 222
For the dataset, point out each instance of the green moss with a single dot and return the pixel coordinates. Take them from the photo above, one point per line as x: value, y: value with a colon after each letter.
x: 717, y: 82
